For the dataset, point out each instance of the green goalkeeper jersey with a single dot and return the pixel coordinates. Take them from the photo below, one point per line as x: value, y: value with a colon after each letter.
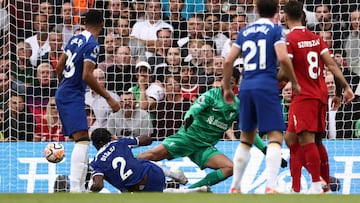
x: 212, y: 117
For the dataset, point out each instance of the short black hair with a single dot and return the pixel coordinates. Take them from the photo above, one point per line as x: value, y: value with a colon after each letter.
x: 100, y: 137
x: 267, y: 8
x: 94, y: 17
x: 236, y: 75
x: 294, y: 10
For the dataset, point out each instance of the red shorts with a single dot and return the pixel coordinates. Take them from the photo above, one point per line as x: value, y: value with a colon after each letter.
x: 308, y: 114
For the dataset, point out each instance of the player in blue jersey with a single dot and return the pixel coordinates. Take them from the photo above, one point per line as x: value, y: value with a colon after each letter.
x: 116, y: 164
x: 262, y: 47
x: 75, y: 72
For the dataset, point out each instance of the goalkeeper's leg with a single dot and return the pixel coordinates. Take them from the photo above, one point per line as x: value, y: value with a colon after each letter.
x: 223, y: 169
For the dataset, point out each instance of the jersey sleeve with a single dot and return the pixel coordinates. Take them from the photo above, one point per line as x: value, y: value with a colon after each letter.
x: 129, y: 141
x: 96, y: 169
x: 279, y: 35
x: 203, y: 102
x: 290, y: 47
x: 91, y: 52
x: 323, y: 46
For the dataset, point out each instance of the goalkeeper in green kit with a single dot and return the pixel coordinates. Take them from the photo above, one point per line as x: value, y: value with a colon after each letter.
x: 204, y: 125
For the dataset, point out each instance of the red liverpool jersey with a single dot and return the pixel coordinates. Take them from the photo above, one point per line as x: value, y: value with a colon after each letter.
x: 305, y: 48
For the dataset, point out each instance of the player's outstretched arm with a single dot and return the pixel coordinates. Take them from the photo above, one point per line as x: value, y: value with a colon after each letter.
x: 98, y: 183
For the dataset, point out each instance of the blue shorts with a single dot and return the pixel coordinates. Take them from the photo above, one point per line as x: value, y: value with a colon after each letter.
x: 260, y: 109
x: 72, y: 116
x: 155, y: 178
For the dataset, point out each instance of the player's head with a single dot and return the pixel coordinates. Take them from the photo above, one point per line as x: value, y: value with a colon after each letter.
x: 100, y: 137
x: 294, y: 11
x: 267, y: 8
x: 94, y: 18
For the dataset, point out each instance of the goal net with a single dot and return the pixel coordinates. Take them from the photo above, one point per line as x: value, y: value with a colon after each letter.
x: 167, y: 52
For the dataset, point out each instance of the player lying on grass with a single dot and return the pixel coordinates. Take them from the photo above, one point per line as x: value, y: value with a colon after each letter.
x: 116, y: 164
x: 205, y: 123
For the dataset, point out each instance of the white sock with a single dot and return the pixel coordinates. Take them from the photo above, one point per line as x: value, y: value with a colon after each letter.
x: 241, y: 158
x: 167, y: 172
x: 316, y: 186
x: 83, y: 177
x: 78, y: 167
x: 185, y: 190
x: 273, y: 162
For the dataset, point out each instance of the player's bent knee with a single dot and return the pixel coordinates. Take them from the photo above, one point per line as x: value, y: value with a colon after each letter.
x: 274, y: 143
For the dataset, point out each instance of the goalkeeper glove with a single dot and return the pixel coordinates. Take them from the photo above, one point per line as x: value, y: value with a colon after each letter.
x: 284, y: 163
x: 188, y: 121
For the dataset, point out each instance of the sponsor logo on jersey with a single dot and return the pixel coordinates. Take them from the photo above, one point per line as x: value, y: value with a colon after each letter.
x: 212, y: 121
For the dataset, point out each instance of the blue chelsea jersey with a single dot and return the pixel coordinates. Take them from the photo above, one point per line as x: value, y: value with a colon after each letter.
x: 116, y: 162
x: 257, y: 44
x: 80, y: 48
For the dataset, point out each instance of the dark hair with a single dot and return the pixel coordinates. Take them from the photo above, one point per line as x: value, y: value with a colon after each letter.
x: 163, y: 29
x: 236, y: 75
x: 294, y: 10
x: 94, y: 17
x: 100, y: 137
x: 232, y: 17
x: 303, y: 18
x: 267, y: 8
x: 198, y: 16
x: 16, y: 94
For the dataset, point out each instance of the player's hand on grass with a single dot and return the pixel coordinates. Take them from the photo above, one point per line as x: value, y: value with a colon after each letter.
x: 115, y: 106
x: 97, y: 183
x: 188, y: 122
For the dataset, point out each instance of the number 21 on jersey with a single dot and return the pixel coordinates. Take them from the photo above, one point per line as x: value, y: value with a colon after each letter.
x: 260, y: 49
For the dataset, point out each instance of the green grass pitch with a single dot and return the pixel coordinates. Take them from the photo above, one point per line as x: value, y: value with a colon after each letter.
x: 174, y: 198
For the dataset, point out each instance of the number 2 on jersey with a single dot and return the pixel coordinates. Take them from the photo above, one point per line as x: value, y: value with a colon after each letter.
x: 123, y: 174
x: 254, y: 49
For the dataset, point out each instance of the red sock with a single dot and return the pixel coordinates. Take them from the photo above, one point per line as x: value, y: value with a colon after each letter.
x: 324, y: 166
x: 296, y: 163
x: 312, y: 159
